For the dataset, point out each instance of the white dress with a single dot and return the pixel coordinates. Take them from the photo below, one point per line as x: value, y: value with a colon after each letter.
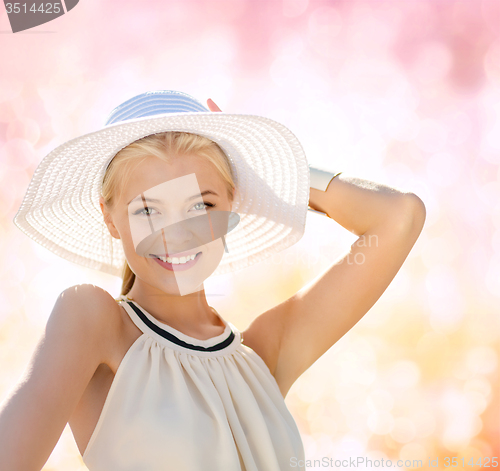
x: 183, y: 404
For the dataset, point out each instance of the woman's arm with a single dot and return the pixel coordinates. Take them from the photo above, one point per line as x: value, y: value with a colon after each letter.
x: 65, y: 359
x: 388, y: 223
x: 359, y: 205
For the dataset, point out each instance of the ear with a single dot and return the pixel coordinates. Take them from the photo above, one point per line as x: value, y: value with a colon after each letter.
x: 108, y: 219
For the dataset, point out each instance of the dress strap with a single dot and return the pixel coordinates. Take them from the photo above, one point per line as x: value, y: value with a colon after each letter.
x: 167, y: 334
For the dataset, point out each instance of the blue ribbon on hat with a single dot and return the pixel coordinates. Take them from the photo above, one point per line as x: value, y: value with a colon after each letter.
x: 155, y: 103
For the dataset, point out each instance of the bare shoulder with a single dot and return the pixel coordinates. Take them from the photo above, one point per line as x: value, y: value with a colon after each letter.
x: 70, y: 350
x: 93, y: 311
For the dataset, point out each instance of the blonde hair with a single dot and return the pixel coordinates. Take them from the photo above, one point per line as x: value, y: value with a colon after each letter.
x: 164, y: 146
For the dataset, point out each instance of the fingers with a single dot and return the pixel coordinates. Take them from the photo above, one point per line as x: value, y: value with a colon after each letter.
x: 212, y: 106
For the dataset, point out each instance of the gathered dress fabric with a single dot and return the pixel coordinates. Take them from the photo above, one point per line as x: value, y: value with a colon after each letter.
x: 184, y: 404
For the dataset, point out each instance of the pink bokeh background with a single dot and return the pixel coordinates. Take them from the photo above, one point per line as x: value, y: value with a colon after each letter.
x: 402, y: 92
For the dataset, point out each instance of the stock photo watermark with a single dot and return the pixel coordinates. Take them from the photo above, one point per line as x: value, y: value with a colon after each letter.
x: 28, y: 14
x: 311, y: 259
x: 362, y: 461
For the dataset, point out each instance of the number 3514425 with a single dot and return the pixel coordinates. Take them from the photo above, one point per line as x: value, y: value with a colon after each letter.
x: 26, y: 9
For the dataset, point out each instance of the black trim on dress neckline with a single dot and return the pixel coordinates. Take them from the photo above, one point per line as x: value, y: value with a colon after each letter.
x: 172, y: 338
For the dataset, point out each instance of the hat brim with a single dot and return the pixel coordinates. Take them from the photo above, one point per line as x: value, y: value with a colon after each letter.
x: 61, y: 210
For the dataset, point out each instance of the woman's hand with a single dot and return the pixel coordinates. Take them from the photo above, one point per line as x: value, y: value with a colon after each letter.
x: 212, y: 106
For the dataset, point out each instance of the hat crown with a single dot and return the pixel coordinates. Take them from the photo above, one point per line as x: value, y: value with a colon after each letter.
x: 155, y: 103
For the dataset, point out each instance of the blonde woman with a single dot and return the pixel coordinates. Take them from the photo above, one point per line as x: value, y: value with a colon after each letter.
x: 165, y: 195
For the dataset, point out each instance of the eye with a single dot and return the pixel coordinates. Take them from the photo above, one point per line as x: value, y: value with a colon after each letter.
x: 144, y: 211
x: 210, y: 205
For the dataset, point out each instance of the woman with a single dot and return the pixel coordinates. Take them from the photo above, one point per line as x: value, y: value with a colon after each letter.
x: 157, y: 379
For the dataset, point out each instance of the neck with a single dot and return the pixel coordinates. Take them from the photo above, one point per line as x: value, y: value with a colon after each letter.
x: 189, y: 314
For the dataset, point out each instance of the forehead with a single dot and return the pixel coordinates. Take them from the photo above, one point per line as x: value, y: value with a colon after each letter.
x: 180, y: 189
x: 186, y: 173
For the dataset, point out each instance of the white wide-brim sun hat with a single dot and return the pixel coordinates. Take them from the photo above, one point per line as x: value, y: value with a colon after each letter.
x: 61, y: 209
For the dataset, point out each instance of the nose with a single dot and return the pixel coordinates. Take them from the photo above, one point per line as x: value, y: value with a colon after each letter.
x: 175, y: 236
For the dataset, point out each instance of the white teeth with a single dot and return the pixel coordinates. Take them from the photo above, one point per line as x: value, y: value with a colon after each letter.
x: 177, y: 260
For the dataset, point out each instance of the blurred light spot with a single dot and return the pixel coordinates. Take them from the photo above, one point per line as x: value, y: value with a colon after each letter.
x: 432, y: 136
x: 404, y: 374
x: 444, y: 169
x: 356, y: 419
x: 324, y: 423
x: 495, y: 241
x: 353, y: 445
x: 287, y: 72
x: 459, y: 127
x: 433, y: 345
x: 372, y: 34
x: 18, y: 154
x: 286, y: 42
x: 380, y: 400
x: 315, y: 410
x: 432, y: 63
x: 481, y: 360
x: 424, y: 421
x: 478, y: 384
x: 371, y: 147
x: 492, y: 63
x: 489, y: 194
x: 358, y: 365
x: 325, y: 24
x: 492, y: 278
x: 402, y: 95
x: 403, y: 125
x: 293, y: 8
x: 460, y: 422
x: 26, y: 129
x: 324, y: 443
x: 477, y: 401
x: 60, y: 99
x: 413, y: 451
x: 325, y: 118
x: 218, y: 45
x: 403, y: 430
x: 310, y: 391
x: 347, y: 393
x: 9, y: 88
x: 380, y: 423
x: 491, y: 135
x: 13, y: 297
x: 445, y: 299
x: 367, y: 75
x: 442, y: 250
x: 483, y: 328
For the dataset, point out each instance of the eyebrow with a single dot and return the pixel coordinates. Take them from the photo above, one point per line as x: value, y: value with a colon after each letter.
x: 154, y: 200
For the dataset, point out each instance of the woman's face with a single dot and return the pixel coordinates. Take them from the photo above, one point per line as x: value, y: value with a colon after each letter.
x: 154, y: 219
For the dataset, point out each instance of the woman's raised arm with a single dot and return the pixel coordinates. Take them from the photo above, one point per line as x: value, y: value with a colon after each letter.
x: 388, y: 223
x: 34, y: 415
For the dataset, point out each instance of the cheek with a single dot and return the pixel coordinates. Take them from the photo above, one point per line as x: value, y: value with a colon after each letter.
x: 126, y: 237
x: 214, y: 251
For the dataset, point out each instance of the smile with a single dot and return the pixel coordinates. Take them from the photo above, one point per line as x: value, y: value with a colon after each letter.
x: 180, y: 263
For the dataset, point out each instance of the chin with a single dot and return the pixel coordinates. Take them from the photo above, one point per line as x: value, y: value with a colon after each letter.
x: 179, y: 289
